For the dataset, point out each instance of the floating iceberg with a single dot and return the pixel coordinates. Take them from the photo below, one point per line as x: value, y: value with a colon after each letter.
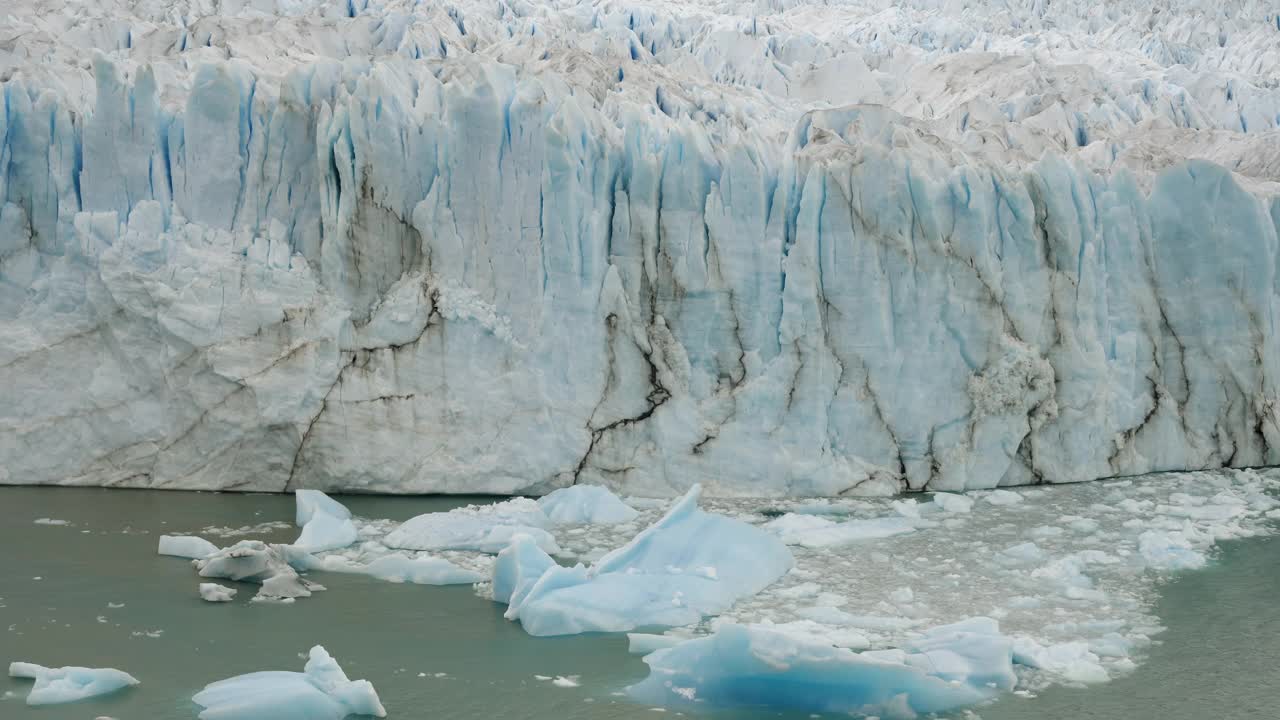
x: 420, y: 571
x: 688, y: 565
x: 946, y: 668
x: 213, y: 592
x: 481, y: 528
x: 272, y: 566
x: 69, y: 684
x: 321, y: 692
x: 817, y: 532
x: 186, y: 546
x: 582, y: 504
x: 326, y: 523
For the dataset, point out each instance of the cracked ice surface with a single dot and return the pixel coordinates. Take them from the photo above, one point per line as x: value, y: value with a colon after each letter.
x: 806, y: 248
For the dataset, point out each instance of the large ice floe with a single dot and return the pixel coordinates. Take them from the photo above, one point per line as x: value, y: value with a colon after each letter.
x: 69, y: 684
x: 794, y: 248
x: 320, y: 692
x: 945, y: 668
x: 688, y: 565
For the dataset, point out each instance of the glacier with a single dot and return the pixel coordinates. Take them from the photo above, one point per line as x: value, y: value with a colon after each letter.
x: 792, y: 248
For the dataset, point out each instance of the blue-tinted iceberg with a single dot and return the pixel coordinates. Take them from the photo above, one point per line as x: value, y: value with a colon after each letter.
x: 321, y: 692
x: 481, y: 528
x: 949, y: 667
x: 518, y: 568
x: 688, y: 565
x: 582, y: 504
x: 326, y: 523
x: 69, y: 684
x: 186, y: 546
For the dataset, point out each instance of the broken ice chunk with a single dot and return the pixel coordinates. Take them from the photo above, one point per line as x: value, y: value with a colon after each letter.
x: 326, y: 523
x: 213, y: 592
x: 69, y: 684
x: 186, y: 546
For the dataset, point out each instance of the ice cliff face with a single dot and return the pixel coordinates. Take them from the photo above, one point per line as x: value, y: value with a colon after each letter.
x: 775, y: 248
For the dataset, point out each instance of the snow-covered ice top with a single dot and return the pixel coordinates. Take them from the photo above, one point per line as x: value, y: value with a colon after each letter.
x: 792, y: 248
x: 321, y: 692
x: 69, y: 684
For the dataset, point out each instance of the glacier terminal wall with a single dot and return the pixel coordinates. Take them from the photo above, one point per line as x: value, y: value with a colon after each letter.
x: 776, y: 248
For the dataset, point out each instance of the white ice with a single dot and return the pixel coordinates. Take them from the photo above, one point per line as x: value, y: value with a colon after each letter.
x: 321, y: 692
x: 213, y: 592
x: 326, y: 523
x: 483, y: 528
x: 583, y: 504
x: 186, y: 546
x: 786, y: 248
x: 69, y: 684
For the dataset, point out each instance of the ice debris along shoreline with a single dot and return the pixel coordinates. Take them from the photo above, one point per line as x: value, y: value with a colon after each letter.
x: 1052, y: 584
x: 55, y: 686
x: 320, y: 692
x: 791, y: 248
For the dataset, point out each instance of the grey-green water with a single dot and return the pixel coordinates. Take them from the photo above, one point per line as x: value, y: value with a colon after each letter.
x: 1220, y: 658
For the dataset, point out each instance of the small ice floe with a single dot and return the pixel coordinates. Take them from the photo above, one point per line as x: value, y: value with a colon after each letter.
x: 321, y: 692
x: 566, y: 681
x: 586, y: 504
x: 326, y: 523
x: 186, y: 546
x: 819, y: 532
x: 401, y: 568
x: 213, y: 592
x: 69, y: 684
x: 479, y: 528
x: 952, y: 503
x: 51, y: 521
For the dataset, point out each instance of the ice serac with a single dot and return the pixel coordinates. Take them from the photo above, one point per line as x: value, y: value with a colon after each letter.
x: 755, y: 666
x: 498, y: 247
x: 688, y: 565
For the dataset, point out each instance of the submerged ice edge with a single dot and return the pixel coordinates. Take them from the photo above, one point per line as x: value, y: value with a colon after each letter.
x: 803, y: 249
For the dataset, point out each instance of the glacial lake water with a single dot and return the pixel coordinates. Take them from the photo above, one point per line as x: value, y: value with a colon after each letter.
x: 445, y: 653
